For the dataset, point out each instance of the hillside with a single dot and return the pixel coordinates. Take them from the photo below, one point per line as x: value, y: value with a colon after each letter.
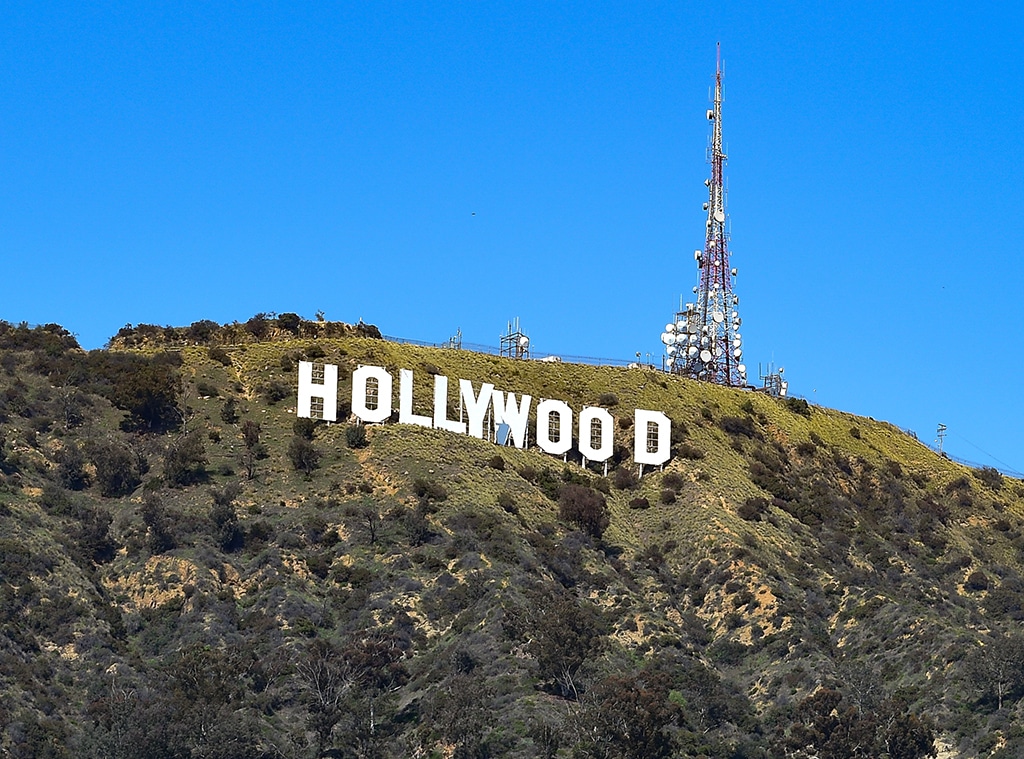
x: 188, y: 570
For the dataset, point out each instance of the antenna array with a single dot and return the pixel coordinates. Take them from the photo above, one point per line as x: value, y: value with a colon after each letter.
x: 703, y: 340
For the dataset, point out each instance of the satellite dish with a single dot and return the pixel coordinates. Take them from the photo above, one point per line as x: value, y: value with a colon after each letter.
x: 705, y: 356
x: 736, y: 343
x: 735, y: 272
x: 738, y: 352
x: 718, y: 351
x: 742, y: 368
x: 781, y: 370
x: 670, y: 327
x: 695, y: 289
x: 696, y: 255
x: 524, y: 341
x: 692, y: 329
x: 719, y: 216
x: 681, y: 325
x: 718, y: 316
x: 692, y: 350
x: 670, y: 350
x: 664, y: 337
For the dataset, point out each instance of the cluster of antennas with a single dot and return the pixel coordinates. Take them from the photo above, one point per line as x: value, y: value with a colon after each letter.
x: 687, y: 341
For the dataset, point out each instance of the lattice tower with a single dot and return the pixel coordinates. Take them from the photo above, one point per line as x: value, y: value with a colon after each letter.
x: 703, y: 341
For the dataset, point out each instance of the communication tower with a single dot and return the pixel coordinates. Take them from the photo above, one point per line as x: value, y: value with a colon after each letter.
x: 703, y: 340
x: 772, y: 381
x: 514, y: 344
x: 455, y: 341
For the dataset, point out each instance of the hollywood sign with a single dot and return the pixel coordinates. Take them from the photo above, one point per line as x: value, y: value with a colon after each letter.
x: 373, y: 403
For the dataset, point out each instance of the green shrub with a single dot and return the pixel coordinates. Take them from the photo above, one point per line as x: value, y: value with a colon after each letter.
x: 691, y: 452
x: 583, y: 507
x: 206, y: 389
x: 355, y: 436
x: 304, y: 427
x: 303, y: 456
x: 229, y: 411
x: 738, y: 425
x: 752, y: 509
x: 429, y: 490
x: 507, y: 502
x: 185, y: 460
x: 497, y: 462
x: 639, y: 503
x: 990, y: 476
x: 117, y: 470
x: 625, y: 479
x: 274, y: 391
x: 219, y: 355
x: 798, y: 406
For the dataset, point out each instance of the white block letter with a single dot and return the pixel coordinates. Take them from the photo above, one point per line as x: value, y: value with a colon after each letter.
x: 602, y: 451
x: 405, y: 415
x: 328, y: 391
x: 651, y: 446
x: 441, y: 420
x: 360, y: 377
x: 544, y: 411
x: 507, y: 412
x: 475, y: 405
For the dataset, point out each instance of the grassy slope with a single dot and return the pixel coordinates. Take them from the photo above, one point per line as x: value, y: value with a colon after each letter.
x: 776, y: 606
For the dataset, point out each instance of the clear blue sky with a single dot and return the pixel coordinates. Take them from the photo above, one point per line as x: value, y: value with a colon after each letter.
x: 170, y: 162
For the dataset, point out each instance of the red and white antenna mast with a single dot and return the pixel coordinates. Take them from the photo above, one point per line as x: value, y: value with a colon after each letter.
x: 703, y: 341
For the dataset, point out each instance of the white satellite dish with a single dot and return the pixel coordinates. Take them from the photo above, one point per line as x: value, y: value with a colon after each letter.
x: 670, y: 361
x: 681, y: 325
x: 738, y: 352
x: 705, y: 356
x: 670, y: 350
x: 718, y: 351
x: 742, y: 368
x: 696, y: 255
x: 718, y: 316
x: 736, y: 343
x: 692, y: 350
x: 665, y: 337
x: 735, y: 272
x: 524, y: 341
x: 719, y: 216
x: 695, y: 289
x: 670, y: 327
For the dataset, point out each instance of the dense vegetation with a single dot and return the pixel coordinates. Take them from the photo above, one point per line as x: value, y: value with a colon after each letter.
x: 188, y: 570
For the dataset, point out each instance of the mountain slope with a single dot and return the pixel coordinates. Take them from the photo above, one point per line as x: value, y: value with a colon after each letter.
x: 796, y: 579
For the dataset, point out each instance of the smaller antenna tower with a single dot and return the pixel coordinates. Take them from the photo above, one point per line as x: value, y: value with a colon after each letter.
x: 940, y: 436
x: 455, y: 341
x: 514, y: 344
x: 772, y: 382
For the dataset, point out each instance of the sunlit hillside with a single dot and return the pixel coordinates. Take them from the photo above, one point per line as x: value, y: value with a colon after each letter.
x: 190, y: 570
